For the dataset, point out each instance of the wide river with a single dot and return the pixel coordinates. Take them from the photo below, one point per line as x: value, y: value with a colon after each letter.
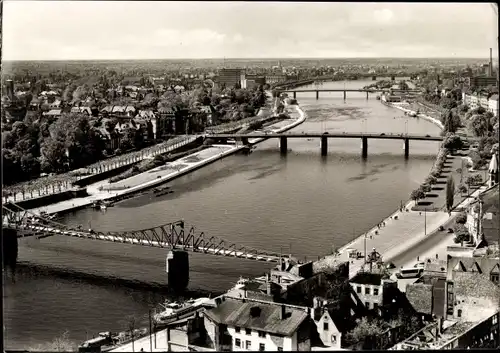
x: 302, y: 203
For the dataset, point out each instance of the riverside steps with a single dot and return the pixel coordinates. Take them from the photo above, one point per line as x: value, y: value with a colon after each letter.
x: 105, y: 191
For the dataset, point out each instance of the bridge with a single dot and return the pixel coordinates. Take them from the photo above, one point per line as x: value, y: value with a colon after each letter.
x: 367, y: 91
x: 283, y: 139
x: 170, y: 236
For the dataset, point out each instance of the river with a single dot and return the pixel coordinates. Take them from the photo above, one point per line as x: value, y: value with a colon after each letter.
x: 302, y: 203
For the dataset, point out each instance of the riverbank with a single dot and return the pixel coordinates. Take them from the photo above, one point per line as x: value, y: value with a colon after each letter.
x: 394, y: 234
x: 105, y: 191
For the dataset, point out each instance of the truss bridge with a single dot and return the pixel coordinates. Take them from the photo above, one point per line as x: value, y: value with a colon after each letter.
x: 170, y: 236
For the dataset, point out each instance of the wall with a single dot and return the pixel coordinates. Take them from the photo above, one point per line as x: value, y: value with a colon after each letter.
x: 326, y: 336
x: 212, y: 332
x: 271, y: 342
x: 371, y: 298
x: 475, y: 295
x: 51, y: 199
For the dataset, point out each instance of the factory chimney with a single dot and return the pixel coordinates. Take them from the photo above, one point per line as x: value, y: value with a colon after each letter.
x: 491, y: 63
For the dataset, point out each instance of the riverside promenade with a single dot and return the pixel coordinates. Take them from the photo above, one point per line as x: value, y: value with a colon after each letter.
x: 398, y: 232
x: 105, y: 190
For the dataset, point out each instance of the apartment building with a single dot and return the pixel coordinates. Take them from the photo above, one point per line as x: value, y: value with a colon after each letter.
x: 253, y: 325
x: 474, y: 101
x: 482, y: 217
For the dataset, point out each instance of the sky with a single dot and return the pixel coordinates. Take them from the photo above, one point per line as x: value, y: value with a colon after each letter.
x: 85, y: 30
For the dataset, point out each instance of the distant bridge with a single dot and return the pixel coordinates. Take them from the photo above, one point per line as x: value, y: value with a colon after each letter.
x: 169, y: 236
x: 325, y: 136
x: 367, y: 91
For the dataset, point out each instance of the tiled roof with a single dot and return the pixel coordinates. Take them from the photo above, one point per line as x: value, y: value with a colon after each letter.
x: 420, y: 297
x: 484, y: 263
x: 234, y: 312
x: 367, y: 278
x: 54, y: 112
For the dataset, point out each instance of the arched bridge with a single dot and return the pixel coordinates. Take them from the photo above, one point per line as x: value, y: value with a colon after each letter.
x: 169, y: 235
x: 283, y: 139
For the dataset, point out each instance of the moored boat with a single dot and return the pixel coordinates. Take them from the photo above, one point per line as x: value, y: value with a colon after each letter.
x: 174, y: 311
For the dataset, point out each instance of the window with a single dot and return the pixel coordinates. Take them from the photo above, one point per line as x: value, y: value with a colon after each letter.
x: 334, y: 339
x: 358, y: 289
x: 459, y: 313
x: 248, y: 345
x: 367, y: 305
x: 280, y: 349
x: 375, y: 306
x: 367, y: 290
x: 262, y: 347
x: 248, y: 331
x: 375, y: 291
x: 325, y: 326
x: 262, y: 334
x: 237, y: 342
x: 494, y: 277
x: 237, y: 329
x: 494, y: 320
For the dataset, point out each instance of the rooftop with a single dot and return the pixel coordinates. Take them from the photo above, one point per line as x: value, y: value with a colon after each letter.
x: 368, y: 278
x: 257, y: 315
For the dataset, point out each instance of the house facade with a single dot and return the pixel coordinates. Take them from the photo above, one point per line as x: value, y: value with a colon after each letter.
x: 252, y: 325
x: 482, y: 217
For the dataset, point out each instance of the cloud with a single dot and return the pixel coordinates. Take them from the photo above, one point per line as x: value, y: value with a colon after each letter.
x: 128, y: 30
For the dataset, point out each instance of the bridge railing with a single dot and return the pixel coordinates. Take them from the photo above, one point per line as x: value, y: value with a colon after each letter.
x: 170, y: 235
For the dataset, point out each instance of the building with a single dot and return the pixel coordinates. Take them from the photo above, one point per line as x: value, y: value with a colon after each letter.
x: 472, y: 308
x: 482, y: 217
x: 493, y: 170
x: 273, y: 79
x: 483, y: 81
x: 230, y: 78
x: 9, y: 89
x: 251, y: 325
x: 330, y: 324
x: 372, y: 289
x: 493, y: 104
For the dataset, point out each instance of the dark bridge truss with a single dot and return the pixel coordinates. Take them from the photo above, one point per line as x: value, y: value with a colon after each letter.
x: 171, y: 235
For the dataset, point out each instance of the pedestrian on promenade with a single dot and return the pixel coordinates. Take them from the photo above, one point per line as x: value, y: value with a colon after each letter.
x: 420, y: 213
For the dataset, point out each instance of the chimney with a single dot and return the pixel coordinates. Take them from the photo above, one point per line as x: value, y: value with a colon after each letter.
x: 491, y: 63
x: 282, y: 312
x: 9, y: 85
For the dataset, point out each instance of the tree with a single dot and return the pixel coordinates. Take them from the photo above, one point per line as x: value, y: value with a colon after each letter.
x: 461, y: 218
x: 450, y: 193
x: 462, y: 188
x: 366, y: 333
x: 426, y: 188
x: 431, y: 180
x: 452, y: 142
x: 461, y: 233
x: 479, y: 125
x: 417, y: 194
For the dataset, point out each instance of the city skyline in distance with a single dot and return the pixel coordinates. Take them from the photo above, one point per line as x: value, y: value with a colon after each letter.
x: 250, y: 31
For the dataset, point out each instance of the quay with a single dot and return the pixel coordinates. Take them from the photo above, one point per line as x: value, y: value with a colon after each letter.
x: 104, y: 191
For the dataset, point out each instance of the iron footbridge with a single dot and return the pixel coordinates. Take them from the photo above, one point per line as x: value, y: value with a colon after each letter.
x: 170, y: 235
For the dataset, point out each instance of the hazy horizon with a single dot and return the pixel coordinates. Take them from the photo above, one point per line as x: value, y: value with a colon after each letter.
x: 133, y: 30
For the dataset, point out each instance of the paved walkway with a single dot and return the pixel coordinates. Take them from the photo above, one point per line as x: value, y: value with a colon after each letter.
x: 397, y: 236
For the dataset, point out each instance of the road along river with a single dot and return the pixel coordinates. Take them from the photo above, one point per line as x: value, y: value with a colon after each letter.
x: 302, y: 201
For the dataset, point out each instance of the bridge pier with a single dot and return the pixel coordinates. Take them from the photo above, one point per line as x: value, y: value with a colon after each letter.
x: 283, y: 145
x: 317, y: 94
x: 324, y: 145
x: 364, y: 147
x: 294, y: 95
x: 177, y: 268
x: 374, y: 78
x: 407, y: 148
x: 366, y: 95
x: 345, y: 94
x: 244, y: 141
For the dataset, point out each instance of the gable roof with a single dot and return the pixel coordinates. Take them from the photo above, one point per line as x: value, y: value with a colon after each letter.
x: 486, y: 264
x: 234, y: 312
x: 475, y: 268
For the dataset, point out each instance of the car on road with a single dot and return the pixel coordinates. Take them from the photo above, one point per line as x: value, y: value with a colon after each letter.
x: 427, y: 135
x: 382, y: 134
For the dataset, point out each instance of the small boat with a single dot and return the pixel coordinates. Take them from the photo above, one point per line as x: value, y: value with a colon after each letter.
x: 174, y: 311
x: 96, y: 205
x: 241, y: 283
x: 157, y: 190
x: 378, y: 97
x: 104, y: 342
